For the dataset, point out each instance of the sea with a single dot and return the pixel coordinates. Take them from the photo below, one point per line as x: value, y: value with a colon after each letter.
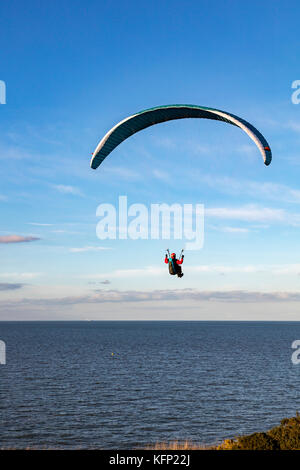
x: 131, y: 384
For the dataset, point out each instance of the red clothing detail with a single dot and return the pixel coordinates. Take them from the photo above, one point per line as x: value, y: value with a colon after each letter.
x: 178, y: 261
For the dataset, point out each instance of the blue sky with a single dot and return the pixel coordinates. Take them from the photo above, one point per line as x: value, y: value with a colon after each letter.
x: 72, y: 71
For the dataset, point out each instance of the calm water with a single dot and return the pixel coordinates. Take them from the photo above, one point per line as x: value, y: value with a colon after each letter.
x: 203, y: 381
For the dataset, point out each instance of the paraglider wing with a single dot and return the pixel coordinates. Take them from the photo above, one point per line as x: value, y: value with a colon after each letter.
x: 149, y: 117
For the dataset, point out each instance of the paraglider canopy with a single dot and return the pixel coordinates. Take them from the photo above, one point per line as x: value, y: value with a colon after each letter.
x: 149, y: 117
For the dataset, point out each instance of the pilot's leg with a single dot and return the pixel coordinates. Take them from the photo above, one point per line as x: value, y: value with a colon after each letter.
x: 179, y: 271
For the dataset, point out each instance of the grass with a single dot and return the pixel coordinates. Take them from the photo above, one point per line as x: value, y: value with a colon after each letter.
x: 178, y: 445
x: 286, y: 436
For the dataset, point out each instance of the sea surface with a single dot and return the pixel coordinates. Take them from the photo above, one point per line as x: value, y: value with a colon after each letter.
x: 125, y: 385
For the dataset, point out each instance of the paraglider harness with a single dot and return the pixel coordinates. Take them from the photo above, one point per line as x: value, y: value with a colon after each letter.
x: 174, y: 268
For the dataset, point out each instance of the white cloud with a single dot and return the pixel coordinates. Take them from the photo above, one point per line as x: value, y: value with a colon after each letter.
x: 39, y: 224
x: 161, y: 175
x: 89, y: 248
x: 280, y: 270
x: 125, y: 273
x: 154, y: 271
x: 165, y: 142
x: 227, y: 269
x: 120, y: 172
x: 293, y: 125
x: 249, y: 149
x: 64, y: 189
x: 256, y: 189
x: 248, y: 213
x: 20, y: 275
x: 235, y: 230
x: 162, y: 295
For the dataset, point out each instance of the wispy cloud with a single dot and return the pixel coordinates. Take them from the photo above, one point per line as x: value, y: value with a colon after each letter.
x: 222, y: 269
x: 17, y: 239
x: 4, y: 286
x: 278, y: 270
x: 12, y: 153
x: 134, y: 272
x: 293, y: 125
x: 24, y: 275
x: 69, y: 232
x: 117, y: 296
x: 235, y: 230
x: 249, y: 213
x: 93, y: 283
x: 256, y: 189
x: 122, y: 173
x: 254, y: 213
x: 249, y: 149
x: 161, y: 175
x: 39, y: 224
x: 88, y: 248
x: 65, y: 189
x: 154, y: 271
